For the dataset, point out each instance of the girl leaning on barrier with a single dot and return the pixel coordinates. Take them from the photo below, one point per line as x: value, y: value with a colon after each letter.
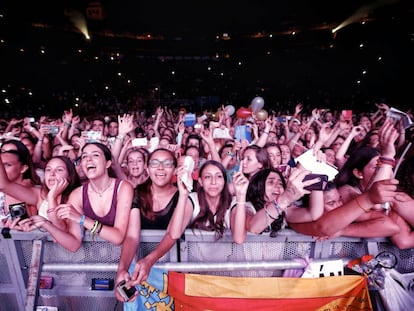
x: 210, y: 208
x: 17, y: 177
x: 101, y: 205
x: 367, y: 228
x: 60, y: 180
x: 153, y: 206
x: 273, y: 199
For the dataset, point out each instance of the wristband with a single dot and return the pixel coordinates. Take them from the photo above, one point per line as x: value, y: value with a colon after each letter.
x: 81, y: 222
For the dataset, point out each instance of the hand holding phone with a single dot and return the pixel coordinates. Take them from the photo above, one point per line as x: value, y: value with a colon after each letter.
x: 124, y: 292
x: 319, y: 185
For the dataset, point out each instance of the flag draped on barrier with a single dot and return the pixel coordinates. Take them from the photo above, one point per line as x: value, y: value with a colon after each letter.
x: 184, y: 291
x: 204, y: 292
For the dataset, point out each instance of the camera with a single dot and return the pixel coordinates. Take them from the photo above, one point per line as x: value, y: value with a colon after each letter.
x: 126, y: 293
x: 18, y: 210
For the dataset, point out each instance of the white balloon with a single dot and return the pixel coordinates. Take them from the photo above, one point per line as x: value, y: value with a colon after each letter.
x: 257, y: 104
x: 230, y: 110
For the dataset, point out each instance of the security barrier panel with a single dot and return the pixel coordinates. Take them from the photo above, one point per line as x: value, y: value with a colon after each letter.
x: 32, y: 262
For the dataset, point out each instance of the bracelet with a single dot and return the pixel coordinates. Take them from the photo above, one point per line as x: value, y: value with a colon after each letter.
x: 100, y: 226
x: 120, y: 137
x: 81, y: 222
x: 95, y: 225
x: 385, y: 160
x: 265, y: 132
x: 360, y: 206
x: 67, y: 124
x: 230, y: 154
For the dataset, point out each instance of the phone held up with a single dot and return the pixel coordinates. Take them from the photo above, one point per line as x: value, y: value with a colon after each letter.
x: 320, y: 185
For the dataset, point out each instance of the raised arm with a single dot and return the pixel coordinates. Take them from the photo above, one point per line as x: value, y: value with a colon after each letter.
x: 238, y: 213
x: 333, y: 221
x: 125, y: 125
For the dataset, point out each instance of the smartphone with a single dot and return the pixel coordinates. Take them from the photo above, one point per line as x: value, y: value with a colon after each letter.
x: 18, y: 210
x: 319, y: 185
x: 243, y: 132
x: 281, y: 119
x: 51, y: 129
x: 139, y: 142
x: 92, y: 136
x: 125, y: 292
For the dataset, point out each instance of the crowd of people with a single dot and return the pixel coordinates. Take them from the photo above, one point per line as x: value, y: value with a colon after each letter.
x: 227, y: 171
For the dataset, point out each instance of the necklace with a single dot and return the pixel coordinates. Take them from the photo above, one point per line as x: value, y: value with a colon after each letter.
x: 100, y: 193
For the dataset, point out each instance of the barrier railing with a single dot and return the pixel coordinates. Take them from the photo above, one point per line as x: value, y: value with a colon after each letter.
x: 27, y: 256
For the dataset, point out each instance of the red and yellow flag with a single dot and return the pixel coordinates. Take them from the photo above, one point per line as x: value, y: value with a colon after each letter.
x: 206, y: 292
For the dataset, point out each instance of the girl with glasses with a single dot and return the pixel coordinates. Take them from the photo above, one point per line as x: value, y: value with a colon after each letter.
x: 153, y: 206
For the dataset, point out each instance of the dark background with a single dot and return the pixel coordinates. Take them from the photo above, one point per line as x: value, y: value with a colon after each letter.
x: 175, y: 53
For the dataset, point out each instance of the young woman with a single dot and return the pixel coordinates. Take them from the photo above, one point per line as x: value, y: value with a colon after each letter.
x: 368, y: 164
x: 153, y: 206
x: 60, y: 180
x: 136, y: 161
x: 273, y: 200
x: 254, y: 158
x: 274, y: 153
x: 360, y: 227
x: 16, y: 178
x: 211, y: 208
x: 101, y: 205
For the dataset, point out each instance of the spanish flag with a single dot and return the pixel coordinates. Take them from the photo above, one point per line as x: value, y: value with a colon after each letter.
x: 206, y: 292
x: 170, y: 291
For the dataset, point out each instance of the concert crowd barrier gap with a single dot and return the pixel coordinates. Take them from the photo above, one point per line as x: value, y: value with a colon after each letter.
x: 30, y: 260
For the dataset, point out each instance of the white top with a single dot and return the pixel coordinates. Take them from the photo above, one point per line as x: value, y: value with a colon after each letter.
x: 196, y: 209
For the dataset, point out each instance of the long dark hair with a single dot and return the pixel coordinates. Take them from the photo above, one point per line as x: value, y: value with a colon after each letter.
x: 261, y: 155
x: 205, y: 218
x: 25, y: 158
x: 257, y: 187
x: 357, y: 160
x: 108, y: 156
x: 143, y: 193
x: 73, y: 179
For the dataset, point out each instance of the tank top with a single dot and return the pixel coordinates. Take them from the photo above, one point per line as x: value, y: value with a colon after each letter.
x: 109, y: 218
x: 162, y: 218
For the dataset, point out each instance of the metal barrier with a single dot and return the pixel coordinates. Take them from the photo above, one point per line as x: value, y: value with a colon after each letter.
x: 27, y: 256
